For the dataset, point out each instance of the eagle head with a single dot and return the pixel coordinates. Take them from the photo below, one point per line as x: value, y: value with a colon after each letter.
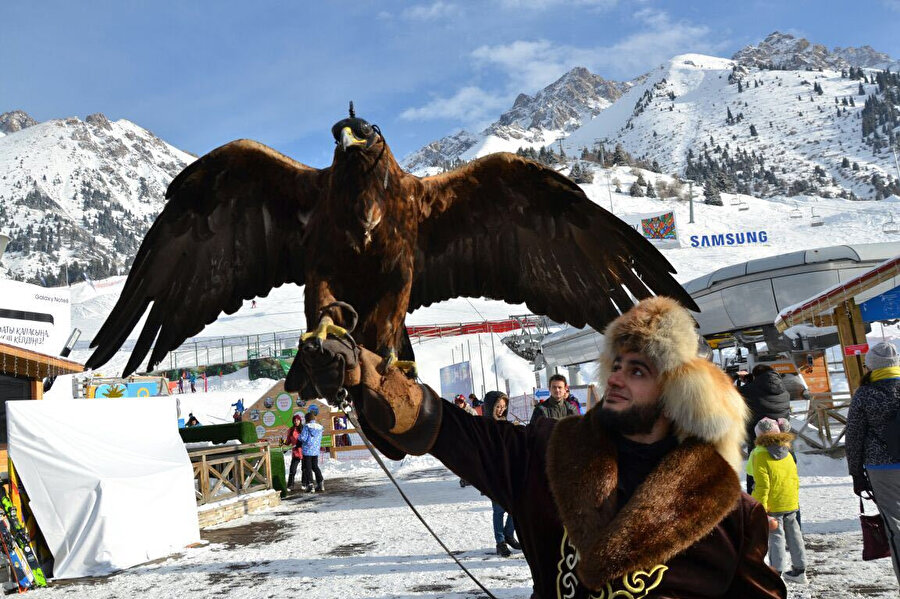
x: 354, y: 133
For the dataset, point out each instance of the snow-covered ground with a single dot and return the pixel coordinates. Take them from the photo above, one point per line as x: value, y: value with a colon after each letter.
x: 359, y: 539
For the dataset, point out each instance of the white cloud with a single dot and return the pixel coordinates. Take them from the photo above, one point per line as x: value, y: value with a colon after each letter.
x: 431, y: 12
x: 531, y: 65
x: 548, y: 4
x: 469, y: 105
x: 661, y: 39
x: 892, y: 4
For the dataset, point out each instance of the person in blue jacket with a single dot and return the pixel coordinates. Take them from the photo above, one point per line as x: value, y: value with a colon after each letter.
x: 311, y: 441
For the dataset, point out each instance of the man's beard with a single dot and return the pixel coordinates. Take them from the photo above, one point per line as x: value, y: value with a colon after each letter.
x: 636, y: 420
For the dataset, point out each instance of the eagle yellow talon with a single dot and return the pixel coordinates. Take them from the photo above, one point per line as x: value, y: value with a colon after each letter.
x: 408, y: 367
x: 326, y: 327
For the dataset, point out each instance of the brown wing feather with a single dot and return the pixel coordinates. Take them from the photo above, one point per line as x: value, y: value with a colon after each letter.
x: 232, y: 230
x: 510, y: 229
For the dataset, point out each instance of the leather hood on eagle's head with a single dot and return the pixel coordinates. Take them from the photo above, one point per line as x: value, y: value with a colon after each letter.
x: 354, y: 132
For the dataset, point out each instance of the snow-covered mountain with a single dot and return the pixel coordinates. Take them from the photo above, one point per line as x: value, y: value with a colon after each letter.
x: 532, y: 122
x: 79, y: 193
x: 757, y: 129
x: 772, y: 132
x: 784, y: 51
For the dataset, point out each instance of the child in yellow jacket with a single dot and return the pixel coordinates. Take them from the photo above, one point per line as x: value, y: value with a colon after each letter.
x: 777, y: 488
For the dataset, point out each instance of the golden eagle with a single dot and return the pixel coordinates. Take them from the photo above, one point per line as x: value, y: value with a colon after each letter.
x: 244, y: 219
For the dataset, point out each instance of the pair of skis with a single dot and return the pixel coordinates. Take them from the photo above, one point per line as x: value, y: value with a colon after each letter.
x: 17, y: 548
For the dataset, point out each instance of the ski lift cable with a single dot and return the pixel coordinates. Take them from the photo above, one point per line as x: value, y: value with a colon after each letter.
x: 342, y: 396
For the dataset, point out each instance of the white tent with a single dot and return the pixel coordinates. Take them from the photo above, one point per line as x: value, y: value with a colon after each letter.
x: 109, y: 481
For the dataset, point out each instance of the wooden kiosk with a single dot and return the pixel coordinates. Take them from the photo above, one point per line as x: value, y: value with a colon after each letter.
x: 839, y: 306
x: 22, y: 374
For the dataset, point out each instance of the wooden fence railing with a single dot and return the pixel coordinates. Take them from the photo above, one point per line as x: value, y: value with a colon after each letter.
x: 825, y: 421
x: 337, y: 433
x: 224, y: 472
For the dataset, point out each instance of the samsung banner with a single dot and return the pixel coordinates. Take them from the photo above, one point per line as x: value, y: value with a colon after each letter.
x: 35, y: 318
x: 659, y: 228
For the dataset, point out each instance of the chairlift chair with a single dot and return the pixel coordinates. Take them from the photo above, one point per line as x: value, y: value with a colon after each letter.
x: 815, y: 220
x: 795, y: 213
x: 735, y: 201
x: 890, y: 226
x: 743, y: 206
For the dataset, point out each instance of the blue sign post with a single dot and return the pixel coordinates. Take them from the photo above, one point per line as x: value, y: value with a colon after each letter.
x: 541, y: 394
x: 881, y: 307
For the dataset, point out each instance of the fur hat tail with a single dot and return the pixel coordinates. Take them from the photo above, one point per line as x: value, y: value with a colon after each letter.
x: 701, y: 402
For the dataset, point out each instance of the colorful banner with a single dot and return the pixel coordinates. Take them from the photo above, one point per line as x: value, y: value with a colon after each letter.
x: 658, y: 228
x: 141, y: 389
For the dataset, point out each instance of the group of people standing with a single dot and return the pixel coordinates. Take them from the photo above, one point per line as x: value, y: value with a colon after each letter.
x: 872, y: 443
x: 495, y: 405
x: 305, y: 440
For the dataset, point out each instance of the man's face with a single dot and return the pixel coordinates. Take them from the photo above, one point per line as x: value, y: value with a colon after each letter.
x: 631, y: 403
x: 500, y: 409
x: 558, y: 390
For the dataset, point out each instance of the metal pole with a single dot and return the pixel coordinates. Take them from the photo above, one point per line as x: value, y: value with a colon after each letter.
x: 481, y: 361
x: 494, y: 353
x: 896, y: 164
x: 606, y: 172
x: 691, y: 199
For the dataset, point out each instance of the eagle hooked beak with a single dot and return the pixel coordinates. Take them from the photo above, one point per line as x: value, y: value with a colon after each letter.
x: 348, y: 139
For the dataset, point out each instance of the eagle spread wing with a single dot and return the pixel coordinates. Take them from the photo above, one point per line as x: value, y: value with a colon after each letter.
x: 510, y: 229
x: 232, y: 229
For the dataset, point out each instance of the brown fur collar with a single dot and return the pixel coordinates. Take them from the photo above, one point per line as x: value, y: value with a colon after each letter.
x: 681, y: 501
x: 775, y: 439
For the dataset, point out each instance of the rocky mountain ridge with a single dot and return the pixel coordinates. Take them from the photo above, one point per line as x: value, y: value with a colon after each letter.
x: 787, y: 52
x: 532, y: 121
x: 76, y: 197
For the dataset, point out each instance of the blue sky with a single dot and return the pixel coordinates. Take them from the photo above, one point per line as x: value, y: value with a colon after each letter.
x: 200, y: 74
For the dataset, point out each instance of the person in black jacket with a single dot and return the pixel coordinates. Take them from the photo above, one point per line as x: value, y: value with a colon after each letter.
x: 555, y: 406
x: 767, y: 398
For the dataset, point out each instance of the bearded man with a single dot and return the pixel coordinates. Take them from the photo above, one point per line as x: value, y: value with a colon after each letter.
x: 640, y: 497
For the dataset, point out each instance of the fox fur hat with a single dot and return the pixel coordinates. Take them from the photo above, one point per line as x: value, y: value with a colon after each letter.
x: 697, y: 397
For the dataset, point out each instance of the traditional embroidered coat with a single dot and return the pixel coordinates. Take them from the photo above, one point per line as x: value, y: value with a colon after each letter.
x: 687, y: 532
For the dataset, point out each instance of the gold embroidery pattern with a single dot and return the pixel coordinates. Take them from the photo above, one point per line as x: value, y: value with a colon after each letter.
x: 566, y: 581
x: 634, y: 585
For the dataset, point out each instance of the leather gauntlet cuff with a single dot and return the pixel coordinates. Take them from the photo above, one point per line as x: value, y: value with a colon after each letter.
x: 401, y: 412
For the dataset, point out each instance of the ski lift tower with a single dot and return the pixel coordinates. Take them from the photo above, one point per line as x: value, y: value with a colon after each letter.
x: 526, y: 342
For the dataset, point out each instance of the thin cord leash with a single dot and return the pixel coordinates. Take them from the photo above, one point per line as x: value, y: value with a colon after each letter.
x: 348, y: 409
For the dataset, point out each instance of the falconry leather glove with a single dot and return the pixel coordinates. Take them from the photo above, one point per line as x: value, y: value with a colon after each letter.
x: 400, y: 411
